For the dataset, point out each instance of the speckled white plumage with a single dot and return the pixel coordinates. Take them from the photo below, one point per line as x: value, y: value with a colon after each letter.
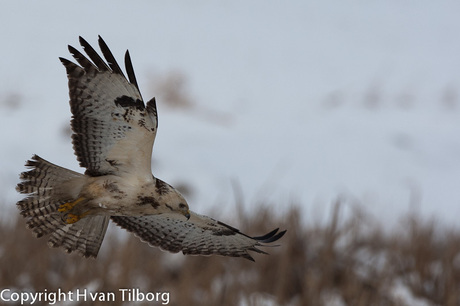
x: 113, y: 136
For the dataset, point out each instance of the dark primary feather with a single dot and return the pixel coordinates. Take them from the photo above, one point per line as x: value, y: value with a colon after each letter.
x: 97, y: 60
x: 130, y: 70
x: 110, y: 58
x: 270, y: 237
x: 81, y: 59
x: 152, y: 109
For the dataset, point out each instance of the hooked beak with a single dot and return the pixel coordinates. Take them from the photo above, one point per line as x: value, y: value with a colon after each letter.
x: 187, y: 214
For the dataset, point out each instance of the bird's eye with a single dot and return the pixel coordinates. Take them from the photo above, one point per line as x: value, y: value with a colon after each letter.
x: 182, y: 205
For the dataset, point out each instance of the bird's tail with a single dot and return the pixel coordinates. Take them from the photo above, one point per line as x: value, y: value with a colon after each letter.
x: 48, y: 187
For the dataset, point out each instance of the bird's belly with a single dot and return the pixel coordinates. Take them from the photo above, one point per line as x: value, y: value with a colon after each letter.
x: 114, y: 197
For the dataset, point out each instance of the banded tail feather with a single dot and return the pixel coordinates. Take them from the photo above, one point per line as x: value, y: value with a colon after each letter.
x: 47, y: 187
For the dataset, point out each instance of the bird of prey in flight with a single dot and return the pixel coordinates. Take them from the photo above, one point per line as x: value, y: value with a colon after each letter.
x: 113, y: 135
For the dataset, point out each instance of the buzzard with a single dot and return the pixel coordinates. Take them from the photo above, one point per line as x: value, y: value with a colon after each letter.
x: 113, y: 135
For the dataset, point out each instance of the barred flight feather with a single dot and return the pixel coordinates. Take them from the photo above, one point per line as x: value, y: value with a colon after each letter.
x: 200, y: 235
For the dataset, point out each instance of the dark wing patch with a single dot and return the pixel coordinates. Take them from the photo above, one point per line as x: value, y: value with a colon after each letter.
x: 141, y: 201
x: 125, y: 101
x: 162, y: 188
x: 200, y: 235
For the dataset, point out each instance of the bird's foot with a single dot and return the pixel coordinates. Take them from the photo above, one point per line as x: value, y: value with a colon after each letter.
x: 69, y: 205
x: 72, y: 218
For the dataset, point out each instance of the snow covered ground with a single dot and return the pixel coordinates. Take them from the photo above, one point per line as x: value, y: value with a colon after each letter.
x: 295, y: 102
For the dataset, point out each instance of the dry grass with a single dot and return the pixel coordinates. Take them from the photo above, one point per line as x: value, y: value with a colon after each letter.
x: 346, y: 262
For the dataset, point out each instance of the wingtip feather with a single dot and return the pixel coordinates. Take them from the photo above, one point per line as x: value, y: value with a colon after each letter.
x: 109, y: 56
x: 130, y: 70
x: 272, y: 236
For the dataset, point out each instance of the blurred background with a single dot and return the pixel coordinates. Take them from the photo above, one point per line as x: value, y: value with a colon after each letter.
x: 337, y: 121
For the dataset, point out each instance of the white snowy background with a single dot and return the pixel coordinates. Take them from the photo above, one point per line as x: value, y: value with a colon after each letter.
x: 296, y: 102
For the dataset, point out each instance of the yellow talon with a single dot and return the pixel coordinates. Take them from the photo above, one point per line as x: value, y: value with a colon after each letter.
x: 69, y: 205
x: 69, y: 217
x: 72, y: 218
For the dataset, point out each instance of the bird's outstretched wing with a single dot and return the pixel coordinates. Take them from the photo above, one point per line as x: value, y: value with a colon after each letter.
x: 113, y: 130
x: 200, y: 235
